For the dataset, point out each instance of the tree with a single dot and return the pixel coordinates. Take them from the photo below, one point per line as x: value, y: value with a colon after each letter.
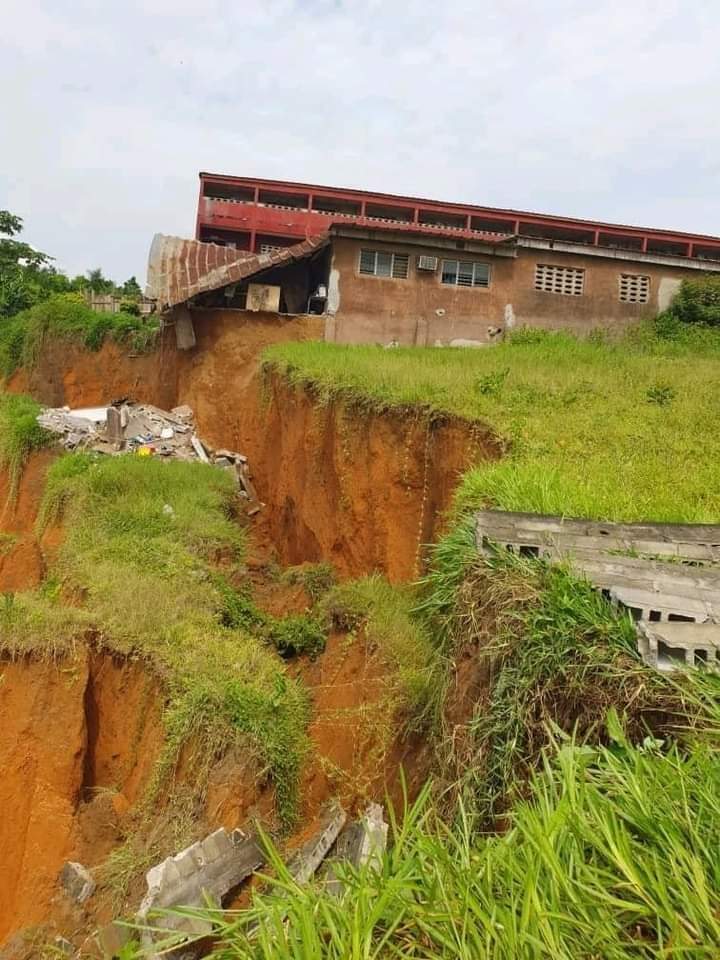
x: 131, y: 289
x: 99, y: 283
x: 24, y: 271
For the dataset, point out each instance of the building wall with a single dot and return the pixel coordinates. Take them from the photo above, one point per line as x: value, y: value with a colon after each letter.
x: 422, y: 311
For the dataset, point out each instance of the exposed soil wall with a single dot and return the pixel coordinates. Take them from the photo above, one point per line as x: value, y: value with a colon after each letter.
x: 364, y: 491
x: 78, y: 740
x: 22, y: 563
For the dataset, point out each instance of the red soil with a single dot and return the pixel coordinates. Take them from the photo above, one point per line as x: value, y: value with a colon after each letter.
x: 69, y: 732
x: 362, y: 491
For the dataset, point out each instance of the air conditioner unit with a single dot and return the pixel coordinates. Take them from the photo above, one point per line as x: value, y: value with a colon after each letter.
x: 427, y: 263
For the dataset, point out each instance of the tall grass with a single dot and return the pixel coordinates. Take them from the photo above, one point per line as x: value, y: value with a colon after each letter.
x: 20, y: 434
x: 613, y: 854
x: 586, y: 434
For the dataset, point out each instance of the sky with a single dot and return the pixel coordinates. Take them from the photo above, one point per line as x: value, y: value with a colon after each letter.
x: 605, y: 110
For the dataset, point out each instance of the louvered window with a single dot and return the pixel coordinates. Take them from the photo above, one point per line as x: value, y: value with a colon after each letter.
x: 270, y: 247
x: 634, y: 288
x: 377, y: 263
x: 465, y: 273
x: 569, y: 281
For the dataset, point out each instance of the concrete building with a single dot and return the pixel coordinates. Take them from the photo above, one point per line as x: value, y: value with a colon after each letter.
x: 398, y: 269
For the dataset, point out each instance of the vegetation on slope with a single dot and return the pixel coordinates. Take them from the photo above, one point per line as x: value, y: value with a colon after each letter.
x: 142, y: 540
x: 67, y: 316
x: 615, y: 430
x: 20, y: 434
x: 609, y: 773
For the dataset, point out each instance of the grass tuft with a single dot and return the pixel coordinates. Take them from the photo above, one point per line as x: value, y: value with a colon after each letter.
x: 20, y: 434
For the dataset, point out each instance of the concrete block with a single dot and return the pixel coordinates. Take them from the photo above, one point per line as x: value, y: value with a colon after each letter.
x: 206, y: 870
x: 311, y: 855
x: 77, y: 881
x: 675, y: 646
x: 362, y: 842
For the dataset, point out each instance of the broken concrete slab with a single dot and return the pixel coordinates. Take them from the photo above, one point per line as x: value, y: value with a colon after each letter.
x: 77, y: 881
x: 362, y: 842
x: 204, y: 872
x: 309, y: 857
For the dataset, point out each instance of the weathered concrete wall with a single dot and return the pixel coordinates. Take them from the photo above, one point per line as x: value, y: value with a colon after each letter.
x: 422, y: 311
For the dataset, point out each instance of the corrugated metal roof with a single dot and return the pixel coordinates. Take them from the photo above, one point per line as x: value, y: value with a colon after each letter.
x: 179, y: 269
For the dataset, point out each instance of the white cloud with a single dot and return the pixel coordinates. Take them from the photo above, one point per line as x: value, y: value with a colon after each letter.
x: 110, y: 110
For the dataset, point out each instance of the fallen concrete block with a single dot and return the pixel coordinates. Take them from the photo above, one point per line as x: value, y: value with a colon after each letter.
x: 204, y: 872
x: 77, y: 881
x: 306, y: 861
x: 362, y: 842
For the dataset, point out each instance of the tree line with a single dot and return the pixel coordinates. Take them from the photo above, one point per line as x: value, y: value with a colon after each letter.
x: 27, y: 276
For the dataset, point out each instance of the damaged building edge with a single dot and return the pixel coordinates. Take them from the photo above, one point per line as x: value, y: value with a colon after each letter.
x: 419, y: 288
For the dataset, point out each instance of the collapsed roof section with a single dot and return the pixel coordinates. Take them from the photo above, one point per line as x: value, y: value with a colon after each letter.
x: 180, y: 269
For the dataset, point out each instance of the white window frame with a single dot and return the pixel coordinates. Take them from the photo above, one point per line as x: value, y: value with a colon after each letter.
x: 483, y: 282
x: 270, y: 247
x: 560, y: 280
x: 399, y: 264
x: 634, y: 288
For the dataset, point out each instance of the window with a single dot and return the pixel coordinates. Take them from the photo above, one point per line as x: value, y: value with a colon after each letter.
x: 569, y: 281
x: 465, y: 273
x: 634, y: 288
x: 270, y: 248
x: 377, y: 263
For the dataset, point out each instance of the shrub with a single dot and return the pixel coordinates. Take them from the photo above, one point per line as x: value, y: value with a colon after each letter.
x: 297, y: 634
x: 698, y: 301
x: 67, y: 316
x: 20, y: 434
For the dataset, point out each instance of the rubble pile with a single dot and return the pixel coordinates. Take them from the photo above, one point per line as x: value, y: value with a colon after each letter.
x: 141, y: 428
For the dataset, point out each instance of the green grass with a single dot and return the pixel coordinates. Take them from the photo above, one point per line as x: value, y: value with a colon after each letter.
x: 413, y: 661
x: 614, y: 854
x: 585, y: 434
x: 20, y: 434
x: 67, y: 316
x: 143, y: 539
x: 610, y: 847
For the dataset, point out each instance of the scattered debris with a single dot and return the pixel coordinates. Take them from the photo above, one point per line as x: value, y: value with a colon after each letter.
x: 126, y: 427
x: 77, y: 881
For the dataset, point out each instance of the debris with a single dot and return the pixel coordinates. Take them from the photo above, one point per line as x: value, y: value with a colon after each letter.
x: 312, y: 854
x: 199, y: 449
x: 168, y: 510
x: 363, y: 841
x: 204, y: 872
x: 141, y: 428
x: 183, y: 412
x: 77, y: 881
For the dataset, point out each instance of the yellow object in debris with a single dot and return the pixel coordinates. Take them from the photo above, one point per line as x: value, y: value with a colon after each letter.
x: 145, y: 451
